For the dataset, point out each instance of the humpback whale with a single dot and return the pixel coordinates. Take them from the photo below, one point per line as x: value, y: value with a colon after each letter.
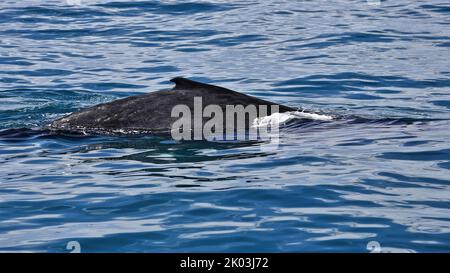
x: 151, y: 113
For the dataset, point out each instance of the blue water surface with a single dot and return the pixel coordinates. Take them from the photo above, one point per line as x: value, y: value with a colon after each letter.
x: 328, y: 187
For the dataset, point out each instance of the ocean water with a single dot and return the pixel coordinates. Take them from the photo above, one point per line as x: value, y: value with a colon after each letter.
x: 377, y: 176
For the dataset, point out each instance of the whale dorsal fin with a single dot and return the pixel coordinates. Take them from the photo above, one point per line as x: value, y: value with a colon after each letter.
x: 186, y: 84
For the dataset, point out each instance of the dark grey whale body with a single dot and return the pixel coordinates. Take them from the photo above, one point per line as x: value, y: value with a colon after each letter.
x: 151, y: 113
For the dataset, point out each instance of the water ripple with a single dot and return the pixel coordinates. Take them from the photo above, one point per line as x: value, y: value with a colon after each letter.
x: 378, y: 172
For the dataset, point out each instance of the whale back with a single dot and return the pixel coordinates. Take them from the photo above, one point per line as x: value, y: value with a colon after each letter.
x: 152, y: 112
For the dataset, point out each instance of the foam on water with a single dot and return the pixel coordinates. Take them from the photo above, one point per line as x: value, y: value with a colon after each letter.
x: 282, y: 118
